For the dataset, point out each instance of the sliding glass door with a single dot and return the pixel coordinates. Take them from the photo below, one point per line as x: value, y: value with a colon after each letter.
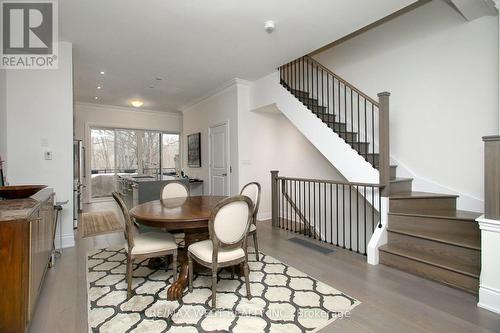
x: 126, y: 152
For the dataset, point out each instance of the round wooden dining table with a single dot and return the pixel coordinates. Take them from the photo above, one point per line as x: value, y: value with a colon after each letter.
x: 188, y: 215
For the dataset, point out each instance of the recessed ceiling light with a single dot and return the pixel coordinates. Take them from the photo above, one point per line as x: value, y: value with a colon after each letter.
x: 137, y: 103
x: 96, y: 97
x: 158, y: 78
x: 102, y: 73
x: 99, y: 87
x: 269, y: 26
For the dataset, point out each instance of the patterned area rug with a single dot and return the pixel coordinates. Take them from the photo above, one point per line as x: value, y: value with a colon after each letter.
x: 284, y: 299
x: 99, y: 223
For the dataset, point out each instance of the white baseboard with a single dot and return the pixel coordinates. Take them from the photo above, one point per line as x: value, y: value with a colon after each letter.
x: 264, y: 216
x: 68, y: 240
x: 489, y: 299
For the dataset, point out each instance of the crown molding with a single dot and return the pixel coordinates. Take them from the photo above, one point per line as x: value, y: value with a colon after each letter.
x: 215, y: 92
x: 174, y: 113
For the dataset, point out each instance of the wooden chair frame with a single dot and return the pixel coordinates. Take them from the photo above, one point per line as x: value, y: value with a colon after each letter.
x: 129, y: 237
x: 253, y: 233
x: 218, y: 244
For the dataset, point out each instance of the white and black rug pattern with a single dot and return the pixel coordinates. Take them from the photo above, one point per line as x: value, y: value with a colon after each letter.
x: 283, y: 299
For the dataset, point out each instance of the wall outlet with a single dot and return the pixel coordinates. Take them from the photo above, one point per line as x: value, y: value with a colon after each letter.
x: 48, y: 155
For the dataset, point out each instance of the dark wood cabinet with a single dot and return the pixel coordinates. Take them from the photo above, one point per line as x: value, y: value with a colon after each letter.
x: 26, y: 227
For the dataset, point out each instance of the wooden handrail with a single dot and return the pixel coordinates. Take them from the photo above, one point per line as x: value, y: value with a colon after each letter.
x: 326, y: 181
x: 340, y: 79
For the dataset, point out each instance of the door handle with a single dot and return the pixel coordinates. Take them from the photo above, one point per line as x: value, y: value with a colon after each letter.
x: 224, y: 174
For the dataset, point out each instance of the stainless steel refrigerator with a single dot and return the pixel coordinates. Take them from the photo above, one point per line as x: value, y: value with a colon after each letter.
x: 78, y: 179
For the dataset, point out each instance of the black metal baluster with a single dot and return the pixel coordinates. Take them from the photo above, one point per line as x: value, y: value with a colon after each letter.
x: 337, y: 211
x: 309, y: 208
x: 314, y: 202
x: 364, y: 215
x: 331, y: 213
x: 295, y: 206
x: 345, y: 110
x: 324, y: 190
x: 373, y: 131
x: 350, y: 217
x: 379, y: 207
x: 340, y: 112
x: 328, y: 100
x: 373, y: 209
x: 307, y: 68
x: 366, y: 130
x: 319, y: 211
x: 300, y: 211
x: 357, y: 219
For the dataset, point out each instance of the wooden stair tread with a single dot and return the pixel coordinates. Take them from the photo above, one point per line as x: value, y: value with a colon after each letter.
x: 461, y: 268
x: 451, y: 239
x: 400, y: 179
x: 420, y: 195
x: 453, y: 214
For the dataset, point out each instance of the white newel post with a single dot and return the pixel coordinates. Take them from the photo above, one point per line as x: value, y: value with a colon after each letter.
x: 489, y: 284
x: 489, y: 223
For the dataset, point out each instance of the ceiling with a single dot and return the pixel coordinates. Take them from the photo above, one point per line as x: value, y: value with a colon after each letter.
x: 194, y: 46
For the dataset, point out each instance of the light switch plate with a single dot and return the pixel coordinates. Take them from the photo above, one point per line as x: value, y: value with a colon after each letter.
x: 48, y: 155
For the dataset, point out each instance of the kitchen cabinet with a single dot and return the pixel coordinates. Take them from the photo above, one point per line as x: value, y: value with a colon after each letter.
x: 26, y: 228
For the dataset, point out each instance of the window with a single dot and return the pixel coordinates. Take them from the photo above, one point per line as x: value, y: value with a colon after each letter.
x: 125, y: 151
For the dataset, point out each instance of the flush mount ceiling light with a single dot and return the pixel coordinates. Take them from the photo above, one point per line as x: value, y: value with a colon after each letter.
x: 96, y: 98
x: 99, y: 87
x: 102, y: 73
x: 136, y: 103
x: 269, y: 26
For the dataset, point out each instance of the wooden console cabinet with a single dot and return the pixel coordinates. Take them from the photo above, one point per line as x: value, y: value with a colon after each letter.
x: 26, y: 227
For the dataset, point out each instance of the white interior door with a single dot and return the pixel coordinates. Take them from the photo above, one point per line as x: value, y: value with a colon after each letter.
x: 219, y: 160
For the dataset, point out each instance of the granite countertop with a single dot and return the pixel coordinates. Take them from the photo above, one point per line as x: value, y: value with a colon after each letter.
x: 16, y: 209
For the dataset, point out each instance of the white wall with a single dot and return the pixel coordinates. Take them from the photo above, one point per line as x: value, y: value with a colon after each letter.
x: 442, y: 73
x: 94, y: 115
x: 268, y: 141
x: 212, y: 110
x: 40, y: 118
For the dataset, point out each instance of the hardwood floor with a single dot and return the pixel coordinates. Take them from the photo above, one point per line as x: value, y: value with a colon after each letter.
x: 392, y: 301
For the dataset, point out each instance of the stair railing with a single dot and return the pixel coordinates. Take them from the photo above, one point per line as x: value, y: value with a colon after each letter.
x: 356, y: 117
x: 344, y: 214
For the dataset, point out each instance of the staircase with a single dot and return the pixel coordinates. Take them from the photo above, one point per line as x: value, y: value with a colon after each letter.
x: 427, y: 235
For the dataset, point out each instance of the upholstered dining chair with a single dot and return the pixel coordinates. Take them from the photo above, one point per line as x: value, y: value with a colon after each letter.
x: 144, y: 246
x: 176, y: 189
x: 252, y: 190
x: 228, y: 226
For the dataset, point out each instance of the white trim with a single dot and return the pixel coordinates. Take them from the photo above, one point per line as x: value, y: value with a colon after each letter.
x: 379, y: 236
x: 264, y: 216
x: 488, y: 224
x: 228, y: 156
x: 489, y: 298
x: 214, y: 93
x: 175, y: 113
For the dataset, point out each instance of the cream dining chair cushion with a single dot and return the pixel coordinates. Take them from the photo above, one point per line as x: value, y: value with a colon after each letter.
x: 203, y: 250
x: 151, y: 242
